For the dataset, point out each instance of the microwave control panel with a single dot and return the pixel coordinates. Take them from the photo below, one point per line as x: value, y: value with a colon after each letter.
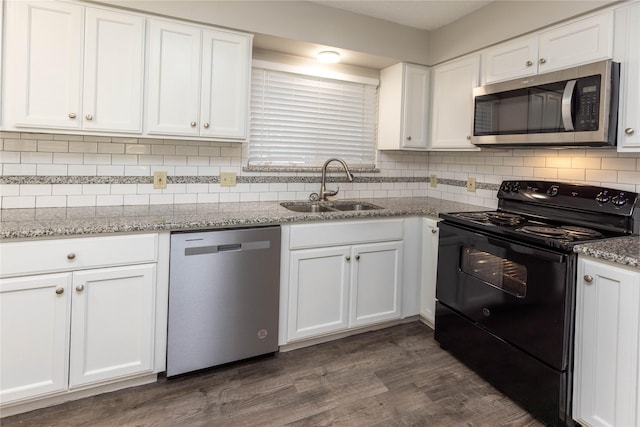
x: 587, y: 103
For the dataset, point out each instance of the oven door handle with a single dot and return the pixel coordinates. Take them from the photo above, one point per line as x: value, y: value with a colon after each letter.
x: 547, y: 256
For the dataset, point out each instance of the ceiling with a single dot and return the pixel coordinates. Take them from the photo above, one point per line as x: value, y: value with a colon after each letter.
x: 423, y: 14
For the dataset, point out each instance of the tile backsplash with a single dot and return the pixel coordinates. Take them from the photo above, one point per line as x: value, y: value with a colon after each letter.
x: 52, y: 170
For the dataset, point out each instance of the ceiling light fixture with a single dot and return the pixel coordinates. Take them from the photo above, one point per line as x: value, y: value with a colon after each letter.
x: 328, y: 57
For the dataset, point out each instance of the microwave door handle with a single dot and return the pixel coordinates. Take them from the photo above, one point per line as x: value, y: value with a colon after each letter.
x: 567, y: 102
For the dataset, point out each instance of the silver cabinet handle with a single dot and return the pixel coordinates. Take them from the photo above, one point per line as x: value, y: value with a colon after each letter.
x: 59, y: 291
x: 88, y: 117
x: 588, y: 278
x: 206, y: 125
x: 193, y: 124
x: 71, y: 256
x: 528, y: 63
x: 357, y: 257
x: 72, y: 115
x: 543, y: 61
x: 434, y: 231
x: 629, y: 131
x: 348, y: 258
x: 79, y: 288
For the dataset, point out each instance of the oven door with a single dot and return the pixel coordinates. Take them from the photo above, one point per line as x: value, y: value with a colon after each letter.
x: 519, y: 293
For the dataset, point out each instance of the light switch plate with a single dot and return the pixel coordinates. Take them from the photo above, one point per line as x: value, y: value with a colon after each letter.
x: 227, y: 179
x: 159, y: 180
x: 471, y: 184
x: 433, y: 181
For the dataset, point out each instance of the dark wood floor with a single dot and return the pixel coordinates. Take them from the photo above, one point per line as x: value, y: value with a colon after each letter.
x: 397, y: 376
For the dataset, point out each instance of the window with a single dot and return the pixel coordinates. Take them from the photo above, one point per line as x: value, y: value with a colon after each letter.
x: 300, y: 120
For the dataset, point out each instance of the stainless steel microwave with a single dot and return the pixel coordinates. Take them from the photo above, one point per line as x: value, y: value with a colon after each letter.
x: 567, y: 108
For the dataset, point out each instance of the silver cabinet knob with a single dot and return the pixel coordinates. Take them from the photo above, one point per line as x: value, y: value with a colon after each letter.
x: 629, y: 131
x: 88, y: 117
x: 588, y: 278
x: 206, y: 125
x: 193, y: 124
x: 408, y: 138
x: 434, y: 231
x: 72, y: 115
x: 59, y: 291
x: 71, y: 256
x: 357, y: 257
x: 543, y: 61
x: 348, y: 258
x: 528, y: 63
x: 469, y: 137
x: 79, y: 288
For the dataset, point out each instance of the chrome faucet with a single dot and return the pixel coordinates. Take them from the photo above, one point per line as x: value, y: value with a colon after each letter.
x: 324, y: 193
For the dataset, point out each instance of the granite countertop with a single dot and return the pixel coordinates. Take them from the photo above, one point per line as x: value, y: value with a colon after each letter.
x: 621, y: 250
x: 57, y: 222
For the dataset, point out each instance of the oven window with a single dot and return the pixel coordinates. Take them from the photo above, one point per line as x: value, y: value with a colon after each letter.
x: 500, y: 273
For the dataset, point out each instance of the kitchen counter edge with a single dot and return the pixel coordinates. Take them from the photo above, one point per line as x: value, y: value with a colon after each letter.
x: 28, y: 224
x: 621, y: 250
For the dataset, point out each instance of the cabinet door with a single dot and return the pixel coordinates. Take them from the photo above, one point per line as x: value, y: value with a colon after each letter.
x: 318, y: 291
x: 226, y: 68
x: 45, y: 46
x: 113, y: 324
x: 34, y: 325
x: 428, y: 266
x: 452, y: 108
x: 510, y: 60
x: 173, y: 101
x: 584, y: 41
x: 415, y: 106
x: 606, y: 346
x: 375, y: 283
x: 627, y: 53
x: 113, y: 71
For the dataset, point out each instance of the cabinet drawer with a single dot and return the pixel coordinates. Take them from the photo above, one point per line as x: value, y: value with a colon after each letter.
x: 39, y: 256
x: 345, y: 233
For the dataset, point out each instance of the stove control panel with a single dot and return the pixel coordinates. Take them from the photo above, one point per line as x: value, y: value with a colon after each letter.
x: 570, y: 196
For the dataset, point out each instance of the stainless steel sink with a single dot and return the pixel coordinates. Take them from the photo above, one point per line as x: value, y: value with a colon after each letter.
x: 315, y: 207
x: 355, y: 206
x: 307, y: 207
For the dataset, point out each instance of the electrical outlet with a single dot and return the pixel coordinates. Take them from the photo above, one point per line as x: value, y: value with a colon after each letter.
x: 471, y: 184
x: 159, y: 180
x: 433, y: 181
x: 227, y: 179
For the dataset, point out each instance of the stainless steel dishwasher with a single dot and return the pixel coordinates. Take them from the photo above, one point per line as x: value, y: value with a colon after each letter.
x: 223, y: 297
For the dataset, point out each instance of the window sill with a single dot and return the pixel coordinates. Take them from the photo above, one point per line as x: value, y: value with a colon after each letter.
x: 291, y: 169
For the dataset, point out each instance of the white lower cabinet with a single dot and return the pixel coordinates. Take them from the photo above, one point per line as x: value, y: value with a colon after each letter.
x: 112, y: 323
x: 428, y: 270
x: 68, y: 330
x: 341, y: 275
x: 607, y: 362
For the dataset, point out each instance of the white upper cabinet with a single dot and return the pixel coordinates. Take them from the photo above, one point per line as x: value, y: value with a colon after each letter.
x: 226, y: 73
x: 452, y: 107
x: 173, y: 80
x: 627, y: 53
x: 44, y: 42
x: 49, y: 43
x: 403, y: 108
x: 579, y: 42
x: 113, y: 71
x: 208, y: 94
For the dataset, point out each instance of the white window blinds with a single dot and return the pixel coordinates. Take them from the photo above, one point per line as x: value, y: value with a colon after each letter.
x: 299, y: 120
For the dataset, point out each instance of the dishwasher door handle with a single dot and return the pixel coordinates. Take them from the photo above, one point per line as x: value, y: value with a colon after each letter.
x: 233, y: 247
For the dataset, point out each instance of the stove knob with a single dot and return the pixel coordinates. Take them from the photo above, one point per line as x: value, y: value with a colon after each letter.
x: 553, y: 191
x: 515, y: 187
x: 603, y: 197
x: 620, y: 200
